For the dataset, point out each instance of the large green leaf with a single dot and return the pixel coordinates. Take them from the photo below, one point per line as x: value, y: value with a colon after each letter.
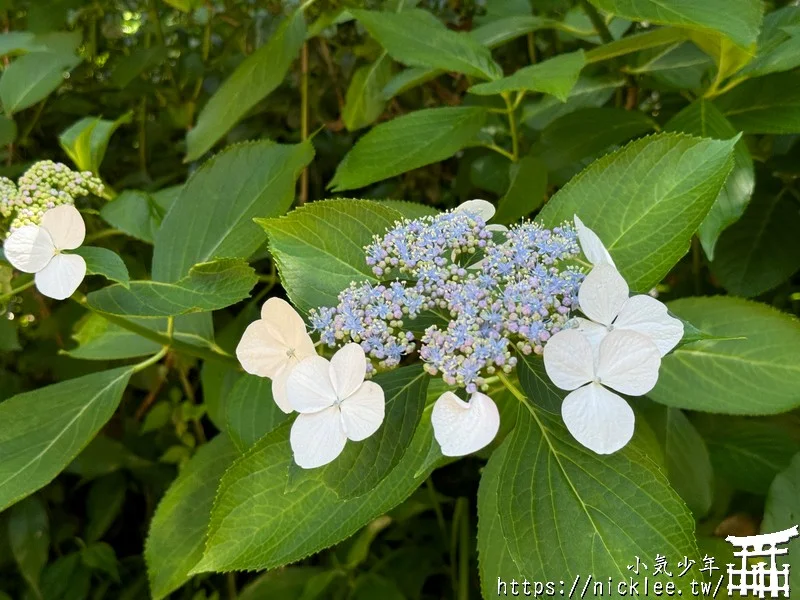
x: 494, y: 558
x: 32, y: 77
x: 654, y: 38
x: 255, y: 525
x: 748, y: 452
x: 416, y: 38
x: 319, y: 248
x: 257, y: 76
x: 99, y: 339
x: 704, y: 119
x: 768, y: 104
x: 588, y: 91
x: 646, y: 200
x: 754, y: 372
x: 760, y: 251
x: 685, y: 454
x: 86, y: 141
x: 364, y: 102
x: 740, y: 20
x: 42, y: 431
x: 783, y: 512
x: 213, y: 216
x: 556, y: 76
x: 526, y: 191
x: 414, y: 140
x: 209, y: 286
x: 362, y: 466
x: 566, y: 511
x: 177, y: 531
x: 250, y: 411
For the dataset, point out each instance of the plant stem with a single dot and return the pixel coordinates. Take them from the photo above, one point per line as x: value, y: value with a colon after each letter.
x: 303, y: 119
x: 18, y: 290
x: 102, y: 234
x: 597, y: 21
x: 153, y: 9
x: 515, y: 391
x: 512, y: 126
x: 500, y: 150
x: 463, y: 556
x: 152, y: 360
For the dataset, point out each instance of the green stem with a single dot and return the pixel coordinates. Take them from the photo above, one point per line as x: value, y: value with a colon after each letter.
x: 102, y: 234
x: 18, y: 290
x: 515, y: 391
x: 437, y: 508
x: 153, y: 9
x: 152, y: 360
x: 512, y: 126
x: 500, y: 150
x: 463, y: 556
x: 598, y: 22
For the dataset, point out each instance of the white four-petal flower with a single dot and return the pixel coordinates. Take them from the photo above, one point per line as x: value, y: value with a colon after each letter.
x: 603, y: 297
x: 273, y: 345
x: 462, y: 428
x: 625, y: 361
x: 593, y: 248
x: 39, y: 249
x: 335, y: 405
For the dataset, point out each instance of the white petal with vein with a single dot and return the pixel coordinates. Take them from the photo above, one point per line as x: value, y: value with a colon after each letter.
x: 462, y: 428
x: 598, y: 418
x: 593, y: 248
x: 602, y: 294
x: 363, y: 411
x: 29, y: 248
x: 317, y: 438
x: 646, y: 315
x: 309, y: 387
x: 628, y: 362
x: 568, y: 359
x: 61, y: 277
x: 65, y: 225
x: 348, y: 369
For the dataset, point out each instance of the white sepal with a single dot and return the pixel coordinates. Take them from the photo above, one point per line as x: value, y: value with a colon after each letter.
x: 598, y: 418
x: 602, y: 294
x: 568, y: 359
x: 61, y: 277
x: 628, y: 362
x: 593, y: 248
x: 317, y: 438
x: 462, y: 428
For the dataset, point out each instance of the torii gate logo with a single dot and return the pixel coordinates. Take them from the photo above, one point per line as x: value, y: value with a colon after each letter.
x: 761, y: 579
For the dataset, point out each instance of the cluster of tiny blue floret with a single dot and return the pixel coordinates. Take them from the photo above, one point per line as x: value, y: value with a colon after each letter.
x: 490, y: 294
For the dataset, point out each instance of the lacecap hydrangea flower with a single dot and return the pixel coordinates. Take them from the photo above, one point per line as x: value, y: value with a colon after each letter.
x: 466, y: 299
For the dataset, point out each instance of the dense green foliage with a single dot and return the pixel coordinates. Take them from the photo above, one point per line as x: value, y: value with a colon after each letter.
x: 252, y: 149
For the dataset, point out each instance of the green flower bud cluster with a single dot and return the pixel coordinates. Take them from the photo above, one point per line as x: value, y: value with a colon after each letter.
x: 45, y: 185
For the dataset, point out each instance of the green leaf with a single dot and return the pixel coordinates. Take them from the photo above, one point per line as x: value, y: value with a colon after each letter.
x: 753, y: 373
x: 778, y: 45
x: 363, y: 465
x: 655, y: 38
x: 703, y: 119
x: 760, y: 251
x: 213, y: 216
x: 410, y: 210
x: 416, y: 38
x: 288, y: 582
x: 32, y: 78
x: 371, y: 586
x: 66, y: 579
x: 101, y: 261
x: 42, y: 431
x: 101, y: 557
x: 768, y: 104
x: 250, y: 411
x: 687, y: 460
x: 209, y: 286
x: 127, y: 68
x: 588, y: 91
x: 565, y: 510
x: 646, y: 200
x: 572, y: 141
x: 526, y: 192
x: 255, y: 78
x: 86, y: 141
x: 740, y: 20
x: 728, y: 57
x: 177, y: 531
x: 556, y: 76
x: 782, y: 511
x: 8, y: 130
x: 29, y: 538
x: 15, y: 42
x: 364, y: 101
x: 104, y: 504
x: 494, y: 558
x: 319, y: 248
x: 104, y: 456
x: 254, y: 525
x: 676, y: 67
x: 139, y: 214
x: 9, y: 337
x: 747, y: 453
x: 408, y: 79
x: 413, y: 140
x: 98, y: 339
x: 537, y: 384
